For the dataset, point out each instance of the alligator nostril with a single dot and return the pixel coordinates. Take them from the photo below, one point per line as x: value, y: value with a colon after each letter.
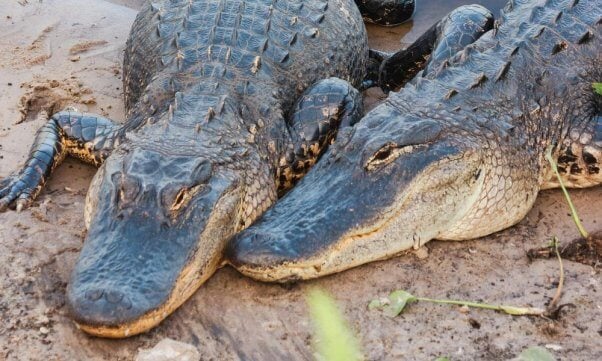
x: 94, y: 295
x: 114, y: 296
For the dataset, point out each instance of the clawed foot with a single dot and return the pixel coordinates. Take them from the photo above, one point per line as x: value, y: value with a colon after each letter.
x: 14, y: 191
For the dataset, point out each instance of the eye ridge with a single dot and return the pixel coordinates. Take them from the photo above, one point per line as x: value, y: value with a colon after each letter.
x: 184, y: 196
x: 388, y: 153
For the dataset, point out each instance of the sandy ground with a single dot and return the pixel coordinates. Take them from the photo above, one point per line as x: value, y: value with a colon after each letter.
x: 70, y: 50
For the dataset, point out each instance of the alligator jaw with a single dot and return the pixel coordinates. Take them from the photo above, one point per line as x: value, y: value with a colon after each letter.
x: 188, y: 282
x: 361, y: 215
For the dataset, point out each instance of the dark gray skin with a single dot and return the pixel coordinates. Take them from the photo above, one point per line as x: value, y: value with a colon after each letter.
x: 228, y: 104
x: 457, y: 154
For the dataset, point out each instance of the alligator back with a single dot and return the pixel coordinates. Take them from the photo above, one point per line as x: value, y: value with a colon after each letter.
x: 250, y: 48
x: 522, y: 87
x: 557, y: 38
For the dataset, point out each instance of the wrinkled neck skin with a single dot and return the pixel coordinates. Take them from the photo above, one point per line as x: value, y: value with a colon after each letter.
x: 160, y: 210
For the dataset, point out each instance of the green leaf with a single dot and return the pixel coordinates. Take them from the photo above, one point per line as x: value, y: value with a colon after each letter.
x: 597, y: 88
x: 398, y: 301
x: 536, y: 353
x: 374, y: 304
x: 333, y: 339
x: 442, y: 358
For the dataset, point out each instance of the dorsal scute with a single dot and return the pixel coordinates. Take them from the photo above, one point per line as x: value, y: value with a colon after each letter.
x: 552, y: 27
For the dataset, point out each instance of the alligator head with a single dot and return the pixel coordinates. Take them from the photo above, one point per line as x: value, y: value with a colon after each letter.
x: 157, y: 224
x: 393, y: 182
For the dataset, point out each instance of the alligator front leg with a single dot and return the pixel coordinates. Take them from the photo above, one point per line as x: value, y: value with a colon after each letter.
x: 85, y: 136
x: 317, y: 115
x: 454, y: 32
x: 579, y: 156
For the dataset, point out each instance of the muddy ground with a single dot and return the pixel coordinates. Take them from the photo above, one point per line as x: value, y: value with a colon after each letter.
x: 70, y: 51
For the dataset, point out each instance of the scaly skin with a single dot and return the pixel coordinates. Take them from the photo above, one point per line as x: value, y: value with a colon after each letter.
x: 210, y: 86
x: 457, y: 154
x: 228, y: 103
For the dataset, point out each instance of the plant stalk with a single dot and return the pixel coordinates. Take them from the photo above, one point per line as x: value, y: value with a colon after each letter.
x: 574, y: 214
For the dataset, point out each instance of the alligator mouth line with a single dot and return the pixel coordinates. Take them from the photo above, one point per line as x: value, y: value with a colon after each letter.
x: 185, y: 286
x: 307, y: 269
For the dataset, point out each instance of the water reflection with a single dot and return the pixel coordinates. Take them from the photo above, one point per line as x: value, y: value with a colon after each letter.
x: 428, y: 12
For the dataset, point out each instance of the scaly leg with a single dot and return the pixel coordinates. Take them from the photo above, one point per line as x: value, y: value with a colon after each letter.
x: 437, y: 45
x: 579, y: 157
x: 317, y: 115
x: 88, y: 137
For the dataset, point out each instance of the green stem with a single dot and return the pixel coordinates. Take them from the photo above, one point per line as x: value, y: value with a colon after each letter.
x: 461, y: 303
x: 512, y: 310
x: 574, y: 214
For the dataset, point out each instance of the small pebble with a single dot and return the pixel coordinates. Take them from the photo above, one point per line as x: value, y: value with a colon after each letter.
x: 422, y: 252
x: 43, y: 320
x: 169, y: 350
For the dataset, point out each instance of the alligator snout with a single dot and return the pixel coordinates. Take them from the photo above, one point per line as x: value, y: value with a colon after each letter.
x: 259, y: 248
x: 106, y: 305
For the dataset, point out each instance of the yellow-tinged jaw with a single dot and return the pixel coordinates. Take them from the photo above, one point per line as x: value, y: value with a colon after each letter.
x: 188, y: 282
x: 331, y: 222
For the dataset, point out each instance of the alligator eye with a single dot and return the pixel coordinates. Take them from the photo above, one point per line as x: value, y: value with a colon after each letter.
x: 181, y: 198
x: 184, y: 196
x: 386, y: 155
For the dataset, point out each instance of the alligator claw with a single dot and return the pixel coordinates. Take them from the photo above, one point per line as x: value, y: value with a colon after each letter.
x: 21, y: 203
x: 13, y: 190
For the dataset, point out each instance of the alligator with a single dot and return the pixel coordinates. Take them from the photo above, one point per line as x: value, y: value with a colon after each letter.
x: 228, y: 104
x: 456, y: 154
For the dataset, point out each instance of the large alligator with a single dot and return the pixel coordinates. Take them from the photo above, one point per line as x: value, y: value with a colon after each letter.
x: 228, y: 104
x: 456, y: 154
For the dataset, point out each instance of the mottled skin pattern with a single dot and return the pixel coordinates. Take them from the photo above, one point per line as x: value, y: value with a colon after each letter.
x: 457, y: 154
